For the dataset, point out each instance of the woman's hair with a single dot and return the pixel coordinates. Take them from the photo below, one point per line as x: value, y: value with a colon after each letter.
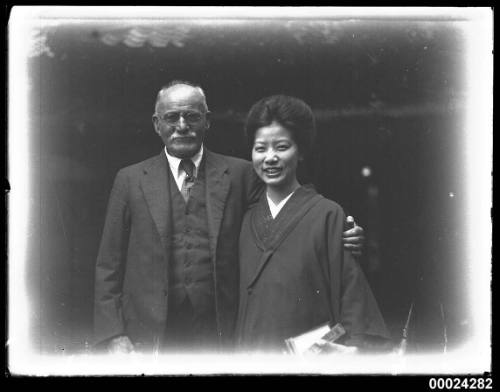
x: 291, y: 113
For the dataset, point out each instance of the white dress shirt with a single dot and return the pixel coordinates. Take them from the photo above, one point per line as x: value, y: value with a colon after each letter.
x: 275, y: 208
x: 177, y: 172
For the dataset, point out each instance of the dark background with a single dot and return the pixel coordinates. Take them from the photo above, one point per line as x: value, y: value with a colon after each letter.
x: 388, y: 95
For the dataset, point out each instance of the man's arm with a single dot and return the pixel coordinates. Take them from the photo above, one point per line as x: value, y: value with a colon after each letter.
x: 353, y: 238
x: 257, y: 187
x: 108, y: 322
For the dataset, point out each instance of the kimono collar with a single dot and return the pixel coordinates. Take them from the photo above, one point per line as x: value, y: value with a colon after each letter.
x: 268, y: 231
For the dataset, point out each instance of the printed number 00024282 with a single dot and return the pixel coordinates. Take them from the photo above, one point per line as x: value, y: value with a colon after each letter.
x: 461, y: 383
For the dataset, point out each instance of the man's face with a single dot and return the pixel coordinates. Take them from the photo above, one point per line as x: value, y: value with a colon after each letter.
x: 181, y: 120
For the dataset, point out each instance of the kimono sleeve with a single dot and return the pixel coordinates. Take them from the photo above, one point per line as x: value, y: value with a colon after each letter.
x: 358, y: 309
x: 110, y: 264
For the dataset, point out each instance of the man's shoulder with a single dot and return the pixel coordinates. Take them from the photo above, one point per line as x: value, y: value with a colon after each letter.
x: 231, y: 162
x: 139, y: 167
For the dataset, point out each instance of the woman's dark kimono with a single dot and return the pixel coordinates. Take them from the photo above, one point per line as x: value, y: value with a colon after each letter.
x: 295, y: 276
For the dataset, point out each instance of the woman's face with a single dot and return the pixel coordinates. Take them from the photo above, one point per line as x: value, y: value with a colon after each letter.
x: 275, y: 156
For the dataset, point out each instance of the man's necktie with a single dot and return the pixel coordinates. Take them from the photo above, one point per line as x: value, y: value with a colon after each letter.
x: 188, y: 166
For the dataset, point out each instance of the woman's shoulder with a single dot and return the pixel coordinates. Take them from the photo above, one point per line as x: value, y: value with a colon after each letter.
x: 324, y: 203
x: 230, y: 161
x: 327, y: 206
x: 330, y: 204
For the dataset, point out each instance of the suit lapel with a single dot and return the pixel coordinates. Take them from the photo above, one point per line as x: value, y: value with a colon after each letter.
x: 217, y: 183
x: 156, y: 190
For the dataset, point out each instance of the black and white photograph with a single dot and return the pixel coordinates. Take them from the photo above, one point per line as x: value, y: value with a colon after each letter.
x: 249, y: 191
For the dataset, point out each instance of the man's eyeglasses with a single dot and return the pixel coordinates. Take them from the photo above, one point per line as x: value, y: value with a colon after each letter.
x: 189, y: 116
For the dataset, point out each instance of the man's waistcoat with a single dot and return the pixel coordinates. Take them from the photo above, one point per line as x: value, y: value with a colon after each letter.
x: 191, y: 270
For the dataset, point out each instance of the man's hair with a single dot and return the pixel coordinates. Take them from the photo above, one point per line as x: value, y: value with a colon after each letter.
x: 177, y: 82
x: 290, y: 112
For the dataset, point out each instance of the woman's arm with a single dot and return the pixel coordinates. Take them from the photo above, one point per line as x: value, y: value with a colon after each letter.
x: 358, y: 309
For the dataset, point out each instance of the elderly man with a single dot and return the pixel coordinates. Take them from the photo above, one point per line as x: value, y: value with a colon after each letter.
x: 167, y: 268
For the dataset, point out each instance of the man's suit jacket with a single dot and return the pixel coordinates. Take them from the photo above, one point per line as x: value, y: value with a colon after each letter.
x: 131, y: 285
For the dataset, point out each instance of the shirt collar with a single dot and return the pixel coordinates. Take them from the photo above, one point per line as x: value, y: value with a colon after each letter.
x: 174, y: 162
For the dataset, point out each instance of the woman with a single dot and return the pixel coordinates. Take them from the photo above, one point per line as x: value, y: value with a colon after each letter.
x: 294, y: 274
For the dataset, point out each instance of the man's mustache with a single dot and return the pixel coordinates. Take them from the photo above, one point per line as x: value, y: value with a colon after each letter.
x: 183, y: 137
